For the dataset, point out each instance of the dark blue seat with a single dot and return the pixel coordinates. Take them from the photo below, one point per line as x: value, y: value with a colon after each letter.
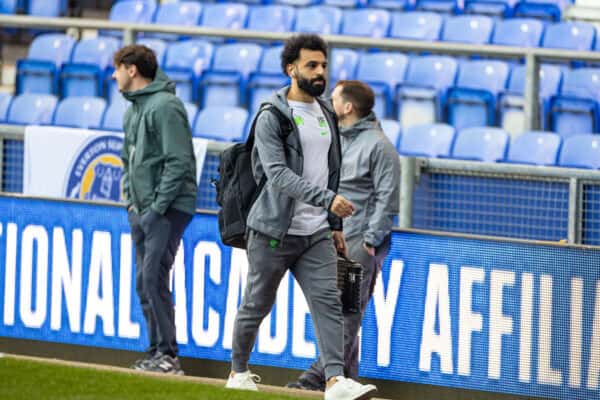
x: 221, y: 123
x: 494, y: 8
x: 342, y: 65
x: 224, y: 15
x: 416, y: 25
x: 32, y: 109
x: 481, y: 144
x: 85, y: 74
x: 133, y: 11
x: 518, y: 32
x: 80, y: 112
x: 113, y: 116
x: 545, y: 9
x: 472, y: 102
x: 580, y: 151
x: 441, y: 6
x: 38, y: 73
x: 391, y: 128
x: 383, y: 71
x: 184, y: 64
x: 267, y: 79
x: 369, y: 22
x: 535, y: 148
x: 570, y: 36
x: 273, y: 18
x: 475, y: 29
x: 181, y: 14
x: 423, y: 93
x: 47, y: 8
x: 319, y: 19
x: 5, y: 100
x: 9, y: 6
x: 430, y: 140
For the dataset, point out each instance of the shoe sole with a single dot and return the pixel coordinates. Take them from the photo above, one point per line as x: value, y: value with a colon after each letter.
x: 366, y: 395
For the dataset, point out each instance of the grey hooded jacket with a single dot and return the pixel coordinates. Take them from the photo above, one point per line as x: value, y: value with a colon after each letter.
x: 272, y: 212
x: 370, y: 180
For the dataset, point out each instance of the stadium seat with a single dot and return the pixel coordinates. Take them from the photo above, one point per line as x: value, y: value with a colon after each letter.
x: 47, y: 8
x: 342, y: 65
x: 268, y: 78
x: 441, y: 6
x: 535, y: 148
x: 85, y: 74
x: 113, y: 116
x: 580, y: 151
x: 391, y: 128
x: 512, y: 117
x: 383, y: 71
x: 273, y: 18
x: 181, y: 14
x: 569, y: 35
x: 184, y: 64
x: 472, y: 102
x: 518, y: 32
x: 481, y: 144
x: 545, y: 9
x: 416, y: 25
x: 224, y: 15
x: 475, y: 29
x: 191, y: 110
x: 9, y: 6
x: 430, y: 140
x: 80, y: 112
x: 38, y: 73
x: 133, y: 11
x: 32, y: 109
x: 298, y: 3
x: 225, y: 83
x: 319, y: 19
x: 492, y: 8
x: 422, y: 94
x: 392, y: 5
x: 221, y: 123
x: 5, y: 100
x: 369, y: 22
x: 346, y: 3
x: 575, y: 109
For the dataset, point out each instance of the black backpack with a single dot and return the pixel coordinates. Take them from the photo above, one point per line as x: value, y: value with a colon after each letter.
x: 236, y: 188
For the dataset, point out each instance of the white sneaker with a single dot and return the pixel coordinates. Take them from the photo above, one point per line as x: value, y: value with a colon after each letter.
x: 348, y: 389
x: 243, y: 381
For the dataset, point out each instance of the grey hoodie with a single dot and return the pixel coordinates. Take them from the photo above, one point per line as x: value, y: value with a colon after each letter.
x: 370, y: 180
x: 272, y: 212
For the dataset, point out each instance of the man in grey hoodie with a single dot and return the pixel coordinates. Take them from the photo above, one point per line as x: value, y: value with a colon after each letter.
x: 296, y: 222
x: 371, y: 181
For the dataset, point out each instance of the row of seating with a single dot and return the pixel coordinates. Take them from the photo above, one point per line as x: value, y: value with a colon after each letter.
x: 39, y: 8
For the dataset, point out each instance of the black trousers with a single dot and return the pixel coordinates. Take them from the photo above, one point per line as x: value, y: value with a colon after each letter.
x: 156, y: 238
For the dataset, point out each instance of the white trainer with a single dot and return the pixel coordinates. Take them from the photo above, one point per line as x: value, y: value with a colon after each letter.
x: 243, y: 381
x: 348, y: 389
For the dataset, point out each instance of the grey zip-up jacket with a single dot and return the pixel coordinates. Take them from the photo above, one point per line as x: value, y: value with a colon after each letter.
x: 272, y: 212
x: 370, y: 180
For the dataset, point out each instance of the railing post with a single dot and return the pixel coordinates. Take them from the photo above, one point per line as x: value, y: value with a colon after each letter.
x: 574, y: 233
x: 531, y: 106
x: 408, y: 168
x: 128, y: 36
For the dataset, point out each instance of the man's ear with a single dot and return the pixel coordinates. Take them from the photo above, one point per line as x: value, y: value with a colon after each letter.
x: 132, y: 71
x: 291, y: 70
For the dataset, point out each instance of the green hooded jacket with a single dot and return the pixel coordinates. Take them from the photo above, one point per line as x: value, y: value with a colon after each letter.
x: 159, y: 165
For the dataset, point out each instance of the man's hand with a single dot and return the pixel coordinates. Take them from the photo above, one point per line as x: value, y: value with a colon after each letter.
x: 340, y: 243
x: 341, y: 206
x: 370, y: 250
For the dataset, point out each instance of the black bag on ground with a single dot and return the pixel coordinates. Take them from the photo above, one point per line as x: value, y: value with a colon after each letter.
x: 236, y: 188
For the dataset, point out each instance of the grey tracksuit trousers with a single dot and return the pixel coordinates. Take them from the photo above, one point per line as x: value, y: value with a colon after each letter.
x: 313, y: 261
x: 352, y: 321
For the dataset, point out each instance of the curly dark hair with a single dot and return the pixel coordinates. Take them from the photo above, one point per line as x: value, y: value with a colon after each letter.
x: 140, y: 56
x: 293, y: 45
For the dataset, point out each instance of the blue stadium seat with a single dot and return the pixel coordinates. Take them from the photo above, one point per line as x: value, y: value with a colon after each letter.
x: 32, y: 109
x: 225, y: 83
x: 133, y: 11
x: 472, y: 102
x: 422, y: 95
x: 113, y: 116
x: 182, y: 14
x: 383, y: 71
x: 391, y: 129
x: 442, y: 6
x: 519, y: 32
x: 569, y: 35
x: 47, y: 8
x: 346, y: 3
x: 416, y: 25
x: 319, y: 19
x: 298, y: 3
x: 575, y: 109
x: 535, y: 148
x: 392, y: 5
x: 221, y: 123
x: 493, y: 8
x: 274, y: 18
x: 512, y: 118
x: 267, y: 79
x: 38, y: 73
x: 580, y: 151
x: 481, y: 144
x: 184, y: 64
x: 430, y: 140
x: 9, y: 6
x: 85, y: 74
x: 5, y: 100
x: 369, y: 22
x: 224, y: 15
x: 80, y: 112
x: 342, y: 65
x: 191, y: 110
x: 545, y: 9
x: 475, y: 29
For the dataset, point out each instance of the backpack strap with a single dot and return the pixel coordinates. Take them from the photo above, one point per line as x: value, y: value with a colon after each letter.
x: 285, y: 124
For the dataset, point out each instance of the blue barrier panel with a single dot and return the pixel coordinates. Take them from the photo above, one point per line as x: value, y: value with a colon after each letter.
x: 507, y: 317
x: 590, y: 219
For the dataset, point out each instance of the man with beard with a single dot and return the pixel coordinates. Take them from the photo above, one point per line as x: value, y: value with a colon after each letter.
x: 296, y: 221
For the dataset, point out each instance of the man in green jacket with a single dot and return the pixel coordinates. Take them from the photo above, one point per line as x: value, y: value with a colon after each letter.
x: 159, y: 186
